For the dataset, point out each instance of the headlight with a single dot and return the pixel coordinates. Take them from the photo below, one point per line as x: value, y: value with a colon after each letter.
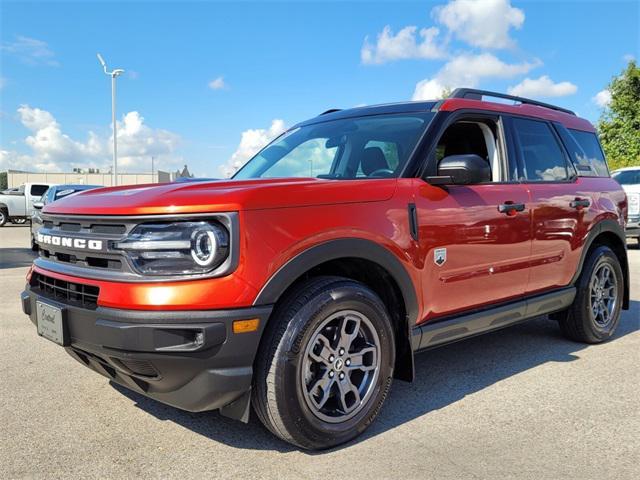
x: 177, y: 248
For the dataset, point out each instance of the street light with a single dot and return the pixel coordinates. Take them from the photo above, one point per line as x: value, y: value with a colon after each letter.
x: 113, y: 74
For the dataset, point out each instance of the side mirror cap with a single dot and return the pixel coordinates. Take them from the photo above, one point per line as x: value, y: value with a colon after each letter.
x: 38, y: 205
x: 467, y: 169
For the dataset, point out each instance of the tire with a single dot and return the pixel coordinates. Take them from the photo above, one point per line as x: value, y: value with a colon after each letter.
x: 586, y: 320
x: 19, y: 221
x: 301, y: 348
x: 3, y: 217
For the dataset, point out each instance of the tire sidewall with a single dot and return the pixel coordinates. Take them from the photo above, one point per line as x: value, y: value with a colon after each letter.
x: 601, y: 256
x: 298, y: 416
x: 3, y: 217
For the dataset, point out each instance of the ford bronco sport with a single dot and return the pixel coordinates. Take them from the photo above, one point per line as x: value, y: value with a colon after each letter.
x: 304, y: 284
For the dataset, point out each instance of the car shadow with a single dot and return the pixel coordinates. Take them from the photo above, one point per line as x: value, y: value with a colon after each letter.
x: 443, y: 376
x: 16, y: 257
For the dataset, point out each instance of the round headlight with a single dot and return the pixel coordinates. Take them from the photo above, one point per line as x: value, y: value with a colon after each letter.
x: 204, y: 245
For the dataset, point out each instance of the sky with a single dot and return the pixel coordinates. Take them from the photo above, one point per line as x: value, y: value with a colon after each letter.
x: 207, y: 84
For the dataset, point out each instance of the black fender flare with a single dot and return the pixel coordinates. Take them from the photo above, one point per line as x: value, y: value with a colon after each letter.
x: 606, y: 226
x: 335, y: 249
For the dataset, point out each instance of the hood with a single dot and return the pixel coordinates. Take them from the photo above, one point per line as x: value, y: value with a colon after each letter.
x: 222, y: 196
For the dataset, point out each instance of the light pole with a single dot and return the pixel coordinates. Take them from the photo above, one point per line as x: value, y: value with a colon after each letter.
x: 113, y: 74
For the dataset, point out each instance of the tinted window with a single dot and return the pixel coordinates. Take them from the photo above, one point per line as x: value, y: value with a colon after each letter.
x: 593, y: 156
x: 543, y: 157
x: 362, y: 147
x: 627, y: 177
x: 38, y: 190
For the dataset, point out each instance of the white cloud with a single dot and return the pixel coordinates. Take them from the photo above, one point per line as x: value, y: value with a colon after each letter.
x: 484, y: 24
x: 403, y: 45
x: 542, y: 87
x: 52, y: 150
x: 602, y: 98
x: 30, y: 51
x: 467, y: 70
x: 251, y: 142
x: 217, y: 83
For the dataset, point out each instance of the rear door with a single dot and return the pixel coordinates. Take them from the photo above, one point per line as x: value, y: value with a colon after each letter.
x: 474, y: 239
x: 560, y: 202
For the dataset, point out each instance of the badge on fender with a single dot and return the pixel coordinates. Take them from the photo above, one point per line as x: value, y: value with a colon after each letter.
x: 440, y: 256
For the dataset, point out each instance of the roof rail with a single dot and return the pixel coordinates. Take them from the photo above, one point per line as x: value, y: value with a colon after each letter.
x: 331, y: 110
x: 474, y: 94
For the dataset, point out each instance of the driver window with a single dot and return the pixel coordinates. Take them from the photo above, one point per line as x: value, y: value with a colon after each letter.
x: 378, y: 156
x: 472, y: 137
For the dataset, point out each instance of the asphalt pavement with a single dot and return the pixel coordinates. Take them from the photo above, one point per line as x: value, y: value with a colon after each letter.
x: 519, y: 403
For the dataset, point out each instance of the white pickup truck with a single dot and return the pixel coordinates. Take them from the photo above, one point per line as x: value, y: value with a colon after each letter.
x: 16, y: 204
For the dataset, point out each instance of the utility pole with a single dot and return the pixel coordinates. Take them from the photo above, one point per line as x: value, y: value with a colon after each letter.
x: 113, y: 74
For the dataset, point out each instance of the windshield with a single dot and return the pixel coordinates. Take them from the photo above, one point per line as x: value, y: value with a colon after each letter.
x: 627, y: 177
x: 365, y: 147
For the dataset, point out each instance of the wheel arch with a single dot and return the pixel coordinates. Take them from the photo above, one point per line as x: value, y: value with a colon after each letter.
x: 364, y: 261
x: 610, y: 233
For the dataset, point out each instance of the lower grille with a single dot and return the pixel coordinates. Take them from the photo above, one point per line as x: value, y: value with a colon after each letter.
x: 142, y: 368
x: 85, y: 296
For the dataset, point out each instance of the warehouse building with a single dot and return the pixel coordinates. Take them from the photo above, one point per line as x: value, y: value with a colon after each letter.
x: 15, y: 178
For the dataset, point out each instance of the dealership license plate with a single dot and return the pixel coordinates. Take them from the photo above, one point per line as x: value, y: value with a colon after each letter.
x: 50, y: 325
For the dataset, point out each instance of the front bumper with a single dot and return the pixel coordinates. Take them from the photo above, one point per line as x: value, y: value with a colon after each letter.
x: 160, y: 354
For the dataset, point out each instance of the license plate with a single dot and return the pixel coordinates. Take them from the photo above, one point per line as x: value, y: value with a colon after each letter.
x: 634, y: 204
x: 50, y: 324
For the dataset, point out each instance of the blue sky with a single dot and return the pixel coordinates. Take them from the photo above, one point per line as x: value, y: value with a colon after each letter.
x: 282, y: 61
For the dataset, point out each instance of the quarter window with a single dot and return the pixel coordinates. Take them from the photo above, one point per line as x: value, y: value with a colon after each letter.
x: 593, y: 157
x: 542, y: 156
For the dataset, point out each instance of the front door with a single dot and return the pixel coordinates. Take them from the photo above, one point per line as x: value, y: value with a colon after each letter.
x: 474, y: 255
x: 475, y: 240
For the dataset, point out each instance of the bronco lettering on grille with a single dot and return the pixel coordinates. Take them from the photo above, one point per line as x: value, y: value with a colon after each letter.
x: 69, y: 242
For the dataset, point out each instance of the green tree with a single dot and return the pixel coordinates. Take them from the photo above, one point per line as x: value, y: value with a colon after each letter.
x: 619, y: 125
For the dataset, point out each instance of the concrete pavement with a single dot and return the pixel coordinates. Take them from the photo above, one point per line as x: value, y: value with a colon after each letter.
x: 519, y: 403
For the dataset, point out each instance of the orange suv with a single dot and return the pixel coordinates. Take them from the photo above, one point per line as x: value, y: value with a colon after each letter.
x: 303, y: 285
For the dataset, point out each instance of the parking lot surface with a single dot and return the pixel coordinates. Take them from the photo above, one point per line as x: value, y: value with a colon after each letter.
x: 519, y: 403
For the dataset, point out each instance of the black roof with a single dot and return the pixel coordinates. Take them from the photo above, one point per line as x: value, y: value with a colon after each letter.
x: 400, y: 107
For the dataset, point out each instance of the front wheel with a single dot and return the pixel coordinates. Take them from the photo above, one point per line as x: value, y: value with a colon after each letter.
x: 326, y: 363
x: 19, y: 221
x: 3, y: 217
x: 595, y: 312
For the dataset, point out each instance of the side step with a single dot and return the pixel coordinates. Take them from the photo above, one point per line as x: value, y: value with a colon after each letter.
x: 438, y: 333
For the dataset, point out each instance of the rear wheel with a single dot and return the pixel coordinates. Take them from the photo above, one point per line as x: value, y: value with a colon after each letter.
x: 19, y: 221
x: 3, y: 217
x: 326, y: 363
x: 595, y: 312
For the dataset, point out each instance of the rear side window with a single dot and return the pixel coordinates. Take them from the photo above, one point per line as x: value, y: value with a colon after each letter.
x: 542, y: 157
x: 593, y: 158
x: 38, y: 190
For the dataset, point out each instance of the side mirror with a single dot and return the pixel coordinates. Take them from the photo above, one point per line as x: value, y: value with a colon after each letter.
x: 467, y: 169
x: 38, y: 205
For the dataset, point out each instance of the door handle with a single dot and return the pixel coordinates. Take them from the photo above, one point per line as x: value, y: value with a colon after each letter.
x: 510, y: 208
x: 580, y: 203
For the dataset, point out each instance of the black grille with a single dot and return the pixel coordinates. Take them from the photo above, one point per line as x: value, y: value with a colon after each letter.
x: 71, y: 293
x: 142, y: 368
x: 94, y: 262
